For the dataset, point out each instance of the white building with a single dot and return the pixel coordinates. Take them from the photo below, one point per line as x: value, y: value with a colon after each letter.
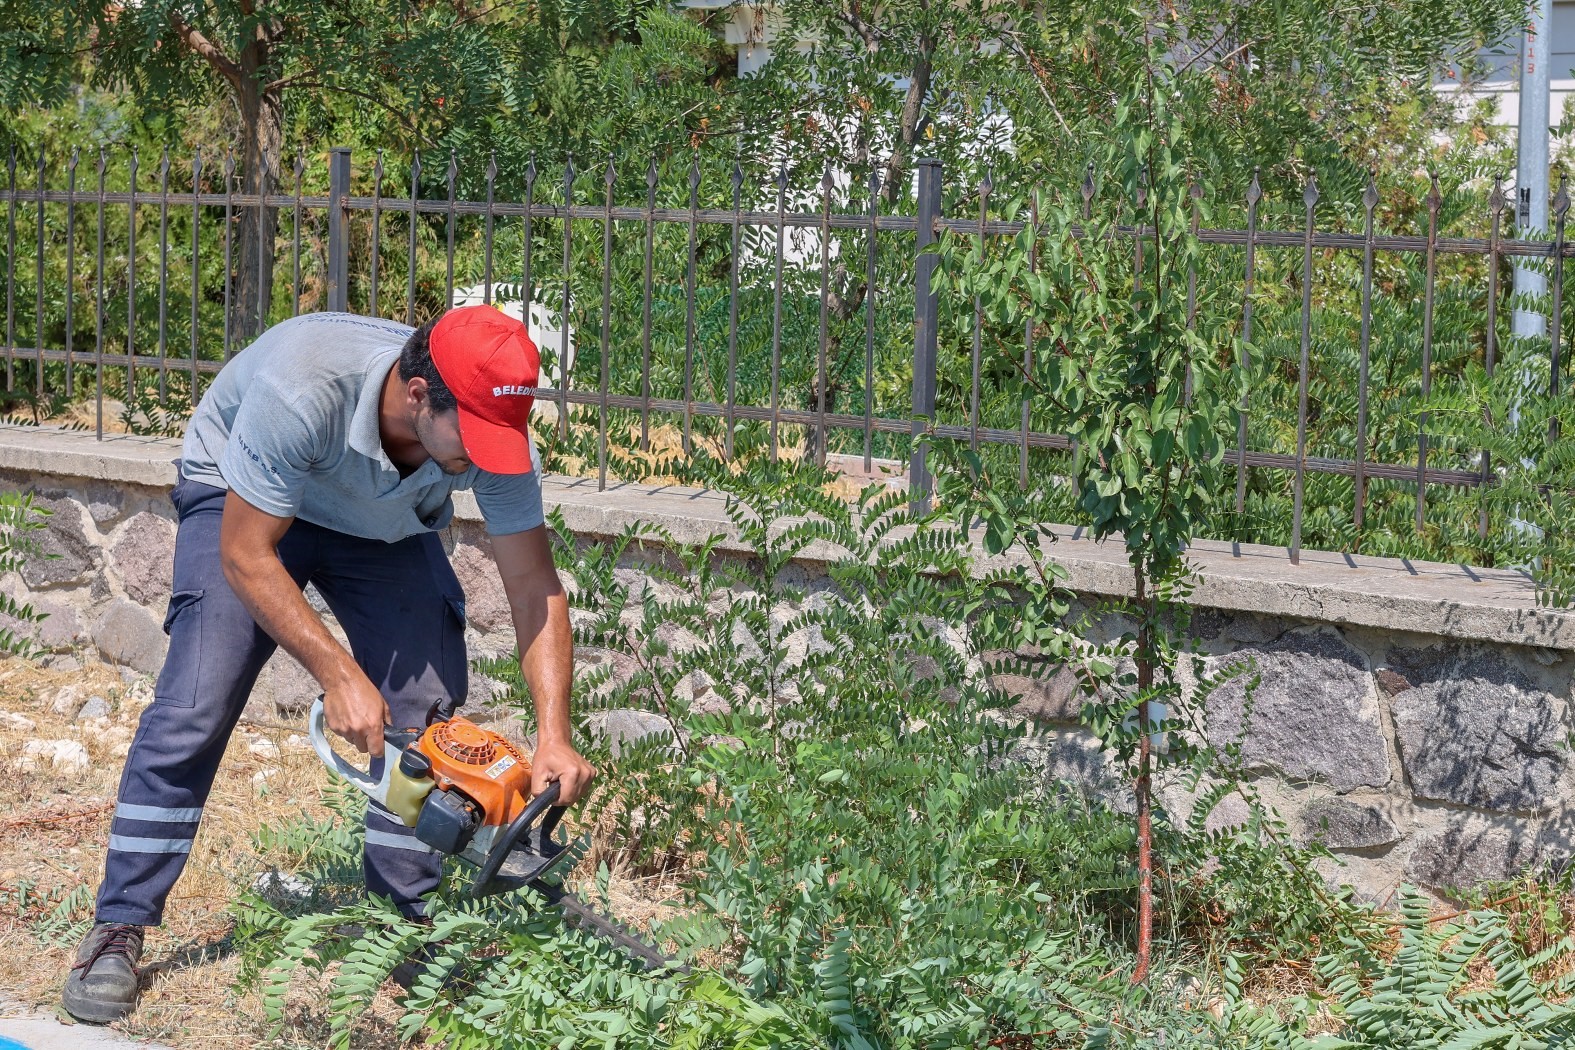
x: 1500, y: 77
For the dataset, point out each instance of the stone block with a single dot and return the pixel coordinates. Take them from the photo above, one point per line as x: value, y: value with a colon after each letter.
x: 285, y: 690
x: 1072, y: 759
x: 1231, y: 814
x: 1314, y: 713
x: 65, y: 554
x: 1470, y: 852
x: 610, y: 667
x: 622, y: 728
x: 62, y: 627
x: 1046, y: 690
x: 96, y: 707
x: 1475, y: 731
x: 1250, y: 629
x: 105, y: 503
x: 143, y: 553
x: 128, y: 634
x: 486, y: 604
x: 1343, y: 824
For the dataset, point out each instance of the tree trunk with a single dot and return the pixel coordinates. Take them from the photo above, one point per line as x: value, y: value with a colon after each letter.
x: 262, y: 137
x: 1144, y: 791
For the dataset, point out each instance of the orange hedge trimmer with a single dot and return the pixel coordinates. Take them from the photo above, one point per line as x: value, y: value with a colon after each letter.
x: 465, y: 791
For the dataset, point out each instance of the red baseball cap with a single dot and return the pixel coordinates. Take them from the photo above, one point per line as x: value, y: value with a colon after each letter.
x: 489, y: 362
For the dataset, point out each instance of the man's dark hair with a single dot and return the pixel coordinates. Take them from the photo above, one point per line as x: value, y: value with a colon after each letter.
x: 415, y: 359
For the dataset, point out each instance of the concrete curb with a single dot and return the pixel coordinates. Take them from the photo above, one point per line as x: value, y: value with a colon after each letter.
x: 36, y: 1031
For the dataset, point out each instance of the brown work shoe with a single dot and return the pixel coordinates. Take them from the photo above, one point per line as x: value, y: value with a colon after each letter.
x: 103, y: 983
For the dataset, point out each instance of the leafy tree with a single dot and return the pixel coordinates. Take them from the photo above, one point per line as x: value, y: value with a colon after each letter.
x: 398, y: 75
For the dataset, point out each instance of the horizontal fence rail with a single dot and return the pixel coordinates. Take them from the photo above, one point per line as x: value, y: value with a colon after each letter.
x: 817, y: 324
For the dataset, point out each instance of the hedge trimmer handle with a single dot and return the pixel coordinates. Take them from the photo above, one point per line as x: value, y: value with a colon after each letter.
x: 376, y: 790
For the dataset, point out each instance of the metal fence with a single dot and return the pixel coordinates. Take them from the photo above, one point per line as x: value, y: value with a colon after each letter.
x: 812, y: 280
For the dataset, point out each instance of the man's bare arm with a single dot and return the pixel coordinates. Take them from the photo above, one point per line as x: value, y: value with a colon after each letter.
x: 541, y: 625
x: 248, y: 542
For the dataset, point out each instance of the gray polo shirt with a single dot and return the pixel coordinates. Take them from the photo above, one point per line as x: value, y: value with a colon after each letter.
x: 291, y: 426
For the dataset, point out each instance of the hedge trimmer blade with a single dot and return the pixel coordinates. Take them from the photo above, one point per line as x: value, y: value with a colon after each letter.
x: 464, y: 791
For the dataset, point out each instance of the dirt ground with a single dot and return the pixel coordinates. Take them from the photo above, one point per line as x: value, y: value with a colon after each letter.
x: 63, y: 770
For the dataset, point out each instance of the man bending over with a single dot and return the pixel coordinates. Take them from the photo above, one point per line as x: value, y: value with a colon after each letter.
x: 326, y: 453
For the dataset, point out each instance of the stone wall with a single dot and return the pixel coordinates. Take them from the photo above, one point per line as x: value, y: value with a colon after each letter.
x: 1415, y: 718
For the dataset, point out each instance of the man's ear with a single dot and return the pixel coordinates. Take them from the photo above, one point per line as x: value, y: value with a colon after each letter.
x: 416, y: 391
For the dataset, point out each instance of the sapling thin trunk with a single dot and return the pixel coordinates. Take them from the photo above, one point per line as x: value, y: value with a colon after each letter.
x: 1145, y: 827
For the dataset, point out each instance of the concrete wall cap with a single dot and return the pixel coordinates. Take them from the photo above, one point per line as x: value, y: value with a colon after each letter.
x: 1397, y: 594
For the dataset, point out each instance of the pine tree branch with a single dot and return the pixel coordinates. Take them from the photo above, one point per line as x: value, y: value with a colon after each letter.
x: 192, y: 37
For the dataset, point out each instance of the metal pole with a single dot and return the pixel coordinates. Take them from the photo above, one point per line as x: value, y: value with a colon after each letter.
x: 338, y: 235
x: 1531, y: 174
x: 925, y: 319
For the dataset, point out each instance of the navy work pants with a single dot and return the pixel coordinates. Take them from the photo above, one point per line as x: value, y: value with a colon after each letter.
x: 403, y: 611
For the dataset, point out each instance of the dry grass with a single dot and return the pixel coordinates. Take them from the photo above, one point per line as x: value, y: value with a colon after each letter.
x: 57, y: 823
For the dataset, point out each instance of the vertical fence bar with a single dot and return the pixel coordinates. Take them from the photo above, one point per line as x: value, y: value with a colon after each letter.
x: 131, y: 281
x: 1244, y: 360
x: 1310, y: 197
x: 1028, y: 338
x: 486, y: 262
x: 1495, y: 217
x: 377, y: 229
x: 824, y: 331
x: 1434, y: 200
x: 776, y: 310
x: 71, y: 270
x: 10, y: 272
x: 295, y: 236
x: 338, y: 230
x: 229, y: 220
x: 732, y: 314
x: 1561, y: 207
x: 1195, y: 197
x: 164, y: 286
x: 410, y: 246
x: 196, y: 272
x: 926, y: 310
x: 610, y: 178
x: 98, y: 306
x: 645, y: 307
x: 1364, y: 351
x: 986, y: 184
x: 264, y: 250
x: 38, y: 286
x: 527, y: 234
x: 871, y: 250
x: 690, y: 292
x: 452, y: 222
x: 563, y: 324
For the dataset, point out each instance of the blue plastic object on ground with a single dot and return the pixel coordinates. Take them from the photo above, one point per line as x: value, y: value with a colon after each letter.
x: 12, y: 1044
